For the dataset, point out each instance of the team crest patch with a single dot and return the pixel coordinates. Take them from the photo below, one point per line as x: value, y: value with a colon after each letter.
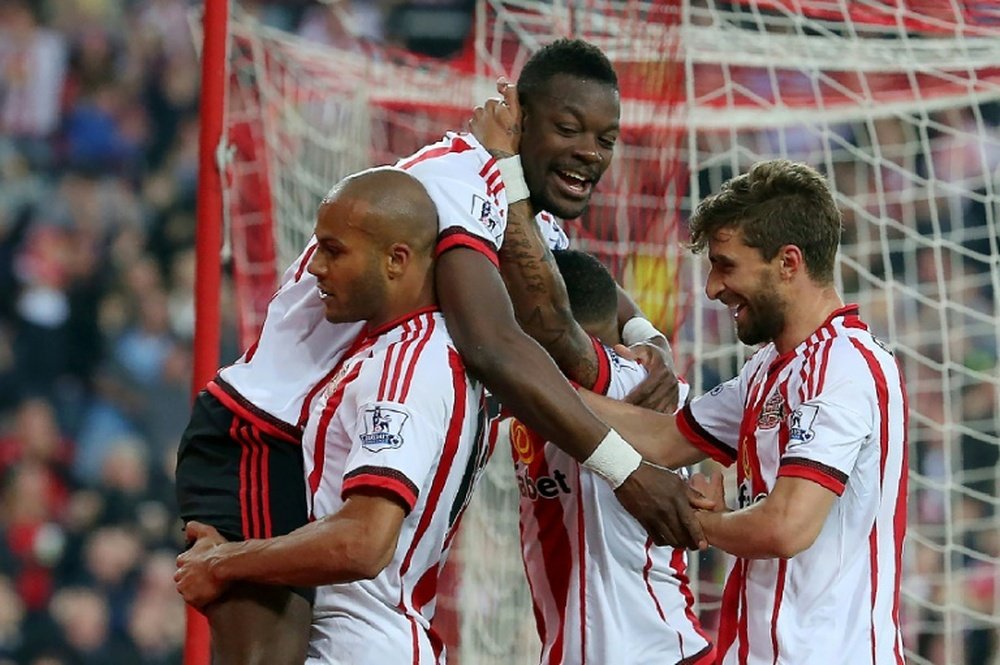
x: 800, y: 424
x: 383, y: 428
x: 772, y: 413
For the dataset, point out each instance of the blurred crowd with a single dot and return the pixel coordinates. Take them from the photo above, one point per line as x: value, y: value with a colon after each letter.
x: 98, y: 168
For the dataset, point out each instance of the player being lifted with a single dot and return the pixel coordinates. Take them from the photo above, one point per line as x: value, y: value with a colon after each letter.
x: 255, y: 410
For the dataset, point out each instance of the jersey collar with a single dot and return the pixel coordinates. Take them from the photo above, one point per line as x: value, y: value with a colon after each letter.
x: 369, y: 333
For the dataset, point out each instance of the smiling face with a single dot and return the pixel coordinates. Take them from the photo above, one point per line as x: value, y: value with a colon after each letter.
x: 568, y: 140
x: 347, y: 262
x: 742, y: 280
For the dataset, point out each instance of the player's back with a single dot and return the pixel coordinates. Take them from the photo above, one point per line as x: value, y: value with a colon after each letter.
x: 602, y: 592
x: 401, y: 418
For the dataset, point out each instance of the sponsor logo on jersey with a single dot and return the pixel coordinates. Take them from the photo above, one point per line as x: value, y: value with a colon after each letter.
x: 383, y: 428
x: 542, y: 487
x: 800, y: 424
x: 772, y: 413
x: 523, y: 441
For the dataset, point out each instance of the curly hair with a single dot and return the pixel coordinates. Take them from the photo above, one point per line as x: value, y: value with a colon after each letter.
x: 776, y: 203
x: 574, y: 57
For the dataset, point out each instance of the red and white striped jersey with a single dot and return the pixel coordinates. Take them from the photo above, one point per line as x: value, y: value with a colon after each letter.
x: 272, y: 383
x: 602, y: 593
x: 832, y: 411
x: 399, y: 416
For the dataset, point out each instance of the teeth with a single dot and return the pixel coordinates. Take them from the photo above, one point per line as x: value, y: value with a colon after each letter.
x: 574, y: 175
x: 322, y: 294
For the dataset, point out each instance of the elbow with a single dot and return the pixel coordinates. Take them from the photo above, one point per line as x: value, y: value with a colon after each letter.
x: 789, y: 540
x: 365, y: 560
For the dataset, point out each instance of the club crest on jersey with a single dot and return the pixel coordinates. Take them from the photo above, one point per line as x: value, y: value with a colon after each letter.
x: 800, y: 424
x: 383, y: 428
x: 772, y: 413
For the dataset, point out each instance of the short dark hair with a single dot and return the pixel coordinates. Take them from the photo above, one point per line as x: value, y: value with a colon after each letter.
x: 593, y: 294
x: 564, y: 56
x: 776, y: 203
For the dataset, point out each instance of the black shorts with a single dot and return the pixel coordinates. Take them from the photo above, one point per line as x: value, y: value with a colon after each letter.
x: 236, y: 478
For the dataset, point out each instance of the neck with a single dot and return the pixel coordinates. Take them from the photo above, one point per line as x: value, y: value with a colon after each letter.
x: 809, y: 311
x: 407, y: 299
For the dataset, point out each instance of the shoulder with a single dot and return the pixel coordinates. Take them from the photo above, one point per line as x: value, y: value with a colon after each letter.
x: 456, y: 156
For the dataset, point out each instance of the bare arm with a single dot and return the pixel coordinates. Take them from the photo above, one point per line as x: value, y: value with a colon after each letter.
x: 511, y: 364
x: 782, y: 525
x: 539, y: 297
x: 653, y: 434
x: 355, y: 543
x: 516, y: 369
x: 627, y: 308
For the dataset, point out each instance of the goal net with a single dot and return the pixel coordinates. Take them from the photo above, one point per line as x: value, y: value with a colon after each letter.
x: 897, y: 102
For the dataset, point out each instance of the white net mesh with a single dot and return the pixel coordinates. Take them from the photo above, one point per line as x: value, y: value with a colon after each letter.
x: 896, y: 102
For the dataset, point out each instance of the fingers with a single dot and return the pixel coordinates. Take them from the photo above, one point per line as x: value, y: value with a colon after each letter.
x: 195, y: 530
x: 509, y: 92
x: 718, y: 487
x: 700, y: 483
x: 625, y: 352
x: 701, y: 501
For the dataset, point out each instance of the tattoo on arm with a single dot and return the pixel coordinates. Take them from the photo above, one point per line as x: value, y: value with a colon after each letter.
x: 540, y: 300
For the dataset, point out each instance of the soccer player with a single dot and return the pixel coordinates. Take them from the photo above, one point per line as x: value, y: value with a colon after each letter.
x: 392, y: 441
x: 239, y: 465
x: 601, y: 592
x: 816, y: 423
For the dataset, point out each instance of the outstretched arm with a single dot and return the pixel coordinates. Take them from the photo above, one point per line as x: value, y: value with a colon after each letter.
x: 653, y: 434
x: 521, y: 374
x: 355, y: 543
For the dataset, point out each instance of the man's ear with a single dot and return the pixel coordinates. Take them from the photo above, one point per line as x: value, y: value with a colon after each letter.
x: 397, y: 258
x: 791, y: 261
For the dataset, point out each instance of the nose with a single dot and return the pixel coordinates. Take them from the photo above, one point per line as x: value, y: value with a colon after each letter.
x: 589, y: 151
x: 315, y: 266
x: 713, y: 286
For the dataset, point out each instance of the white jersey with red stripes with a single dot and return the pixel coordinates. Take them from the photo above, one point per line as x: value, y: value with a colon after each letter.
x: 832, y: 411
x: 602, y: 592
x: 274, y: 381
x: 400, y: 416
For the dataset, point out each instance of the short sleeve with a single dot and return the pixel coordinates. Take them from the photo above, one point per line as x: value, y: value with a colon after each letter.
x: 393, y: 449
x: 711, y: 422
x: 467, y: 215
x: 825, y: 434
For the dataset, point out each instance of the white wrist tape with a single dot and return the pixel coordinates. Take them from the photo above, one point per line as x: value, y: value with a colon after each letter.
x: 614, y: 459
x: 638, y: 329
x: 512, y: 176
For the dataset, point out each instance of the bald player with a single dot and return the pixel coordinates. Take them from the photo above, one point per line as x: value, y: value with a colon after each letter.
x: 390, y: 446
